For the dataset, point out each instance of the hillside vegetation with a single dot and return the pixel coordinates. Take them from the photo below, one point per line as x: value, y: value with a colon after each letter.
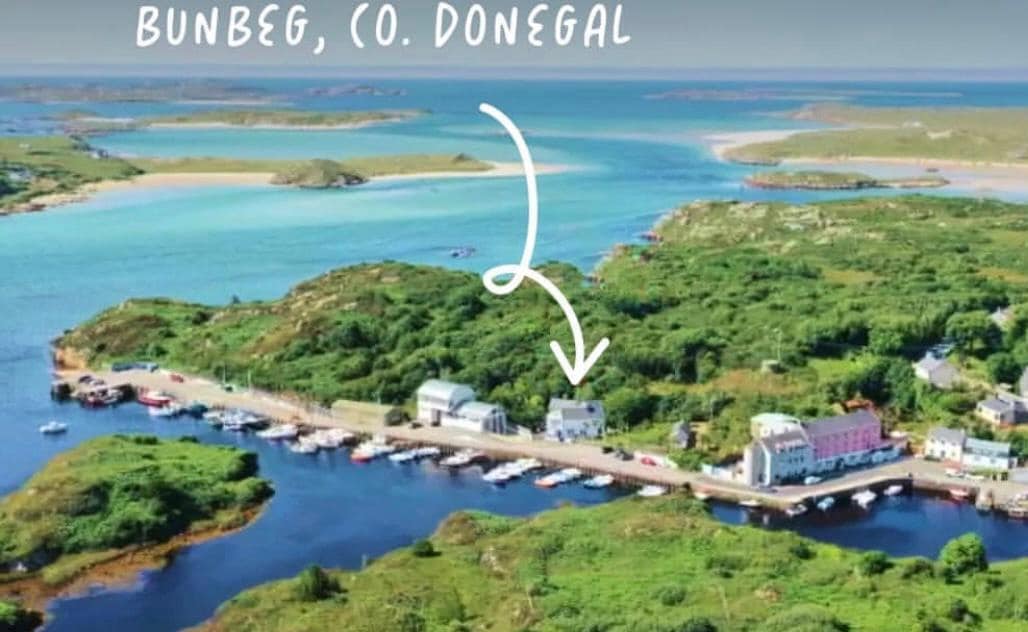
x: 116, y: 492
x: 637, y: 566
x: 844, y: 293
x: 836, y: 181
x: 990, y: 135
x: 282, y: 118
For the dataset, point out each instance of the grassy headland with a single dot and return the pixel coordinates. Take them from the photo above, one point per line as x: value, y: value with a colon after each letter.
x: 662, y: 566
x: 961, y: 135
x: 844, y: 293
x: 836, y: 181
x: 280, y: 118
x: 114, y: 498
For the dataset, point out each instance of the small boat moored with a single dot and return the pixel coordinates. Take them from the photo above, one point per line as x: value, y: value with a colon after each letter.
x: 599, y: 482
x: 864, y: 498
x: 893, y: 490
x: 796, y: 510
x: 959, y: 493
x: 53, y: 428
x: 749, y: 503
x: 826, y: 503
x: 651, y: 491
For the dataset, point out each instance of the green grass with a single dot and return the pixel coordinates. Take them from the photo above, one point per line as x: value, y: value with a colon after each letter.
x: 632, y: 565
x: 848, y: 292
x: 992, y: 135
x: 57, y: 164
x: 285, y: 118
x: 835, y: 180
x: 119, y: 491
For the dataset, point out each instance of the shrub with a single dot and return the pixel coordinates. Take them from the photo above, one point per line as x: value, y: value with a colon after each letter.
x: 801, y: 551
x: 803, y: 618
x: 671, y: 595
x: 964, y: 555
x: 917, y: 566
x: 697, y: 624
x: 423, y: 548
x: 314, y: 584
x: 873, y: 563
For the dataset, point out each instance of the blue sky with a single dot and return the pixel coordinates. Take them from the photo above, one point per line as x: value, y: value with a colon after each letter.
x: 673, y: 34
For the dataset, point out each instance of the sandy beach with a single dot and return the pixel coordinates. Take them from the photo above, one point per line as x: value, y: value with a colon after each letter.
x: 980, y: 178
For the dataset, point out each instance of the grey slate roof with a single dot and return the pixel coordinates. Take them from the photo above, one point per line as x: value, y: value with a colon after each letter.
x: 947, y: 435
x: 996, y: 405
x: 841, y: 423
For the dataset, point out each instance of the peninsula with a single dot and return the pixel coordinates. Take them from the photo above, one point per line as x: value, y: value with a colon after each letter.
x: 115, y: 505
x: 837, y: 181
x: 841, y: 297
x: 662, y: 566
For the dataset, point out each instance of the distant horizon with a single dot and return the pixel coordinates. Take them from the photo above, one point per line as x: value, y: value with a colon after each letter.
x: 822, y: 74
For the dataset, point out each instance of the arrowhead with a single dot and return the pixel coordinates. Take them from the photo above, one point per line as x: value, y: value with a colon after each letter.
x: 577, y: 372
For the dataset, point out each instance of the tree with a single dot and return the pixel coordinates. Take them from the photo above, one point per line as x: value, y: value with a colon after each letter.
x: 973, y: 332
x: 314, y: 584
x: 1003, y: 368
x: 804, y: 618
x: 964, y: 555
x: 423, y: 548
x: 627, y: 407
x: 873, y: 563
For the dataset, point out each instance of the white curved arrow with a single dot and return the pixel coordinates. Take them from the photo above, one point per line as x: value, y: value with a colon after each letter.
x: 577, y: 371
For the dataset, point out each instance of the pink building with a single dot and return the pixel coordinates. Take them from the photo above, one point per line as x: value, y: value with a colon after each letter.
x: 858, y: 431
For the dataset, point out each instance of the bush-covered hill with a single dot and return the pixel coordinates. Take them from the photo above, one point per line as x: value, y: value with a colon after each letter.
x: 845, y: 294
x: 637, y: 566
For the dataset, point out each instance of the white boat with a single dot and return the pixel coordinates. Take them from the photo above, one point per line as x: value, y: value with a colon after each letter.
x: 826, y: 503
x: 501, y: 473
x: 812, y: 480
x: 407, y: 456
x: 571, y: 474
x: 750, y: 503
x: 279, y: 433
x: 796, y: 510
x: 370, y: 450
x: 427, y: 452
x: 53, y: 427
x: 332, y: 438
x: 651, y: 491
x: 893, y: 490
x: 959, y: 493
x: 864, y: 498
x: 529, y: 464
x: 599, y: 482
x: 460, y: 459
x: 304, y: 446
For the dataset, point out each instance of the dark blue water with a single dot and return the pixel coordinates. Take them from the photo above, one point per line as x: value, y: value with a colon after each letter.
x: 635, y: 158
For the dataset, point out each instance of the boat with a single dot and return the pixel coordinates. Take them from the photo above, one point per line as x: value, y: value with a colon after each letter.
x: 427, y: 451
x: 462, y: 252
x: 371, y: 450
x: 750, y: 503
x: 164, y: 411
x: 701, y: 495
x: 826, y: 503
x: 304, y: 446
x: 332, y: 438
x: 959, y: 493
x: 599, y: 482
x: 1019, y: 512
x: 460, y: 459
x: 893, y: 490
x: 53, y: 428
x: 501, y: 473
x: 571, y: 474
x: 864, y: 498
x: 529, y: 464
x: 552, y: 480
x: 407, y: 456
x: 155, y: 399
x: 279, y: 433
x: 812, y: 480
x: 796, y: 510
x: 196, y: 409
x: 651, y: 491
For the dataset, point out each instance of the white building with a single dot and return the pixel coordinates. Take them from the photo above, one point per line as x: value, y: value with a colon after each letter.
x: 569, y: 419
x: 945, y: 444
x: 777, y: 458
x: 987, y: 455
x: 452, y: 405
x: 767, y: 424
x: 937, y: 371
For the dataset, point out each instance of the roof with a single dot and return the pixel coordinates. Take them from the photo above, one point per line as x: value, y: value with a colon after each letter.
x: 447, y: 391
x: 996, y: 405
x: 947, y: 435
x: 477, y: 410
x: 932, y: 364
x: 987, y: 448
x: 774, y: 418
x: 785, y: 441
x: 842, y: 423
x: 578, y: 410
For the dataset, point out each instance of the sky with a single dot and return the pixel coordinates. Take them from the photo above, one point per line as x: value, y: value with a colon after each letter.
x: 673, y: 35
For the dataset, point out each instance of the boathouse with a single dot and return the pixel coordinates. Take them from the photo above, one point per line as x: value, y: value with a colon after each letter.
x: 453, y: 405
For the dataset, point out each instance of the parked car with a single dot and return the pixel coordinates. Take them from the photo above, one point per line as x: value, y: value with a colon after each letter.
x: 177, y: 378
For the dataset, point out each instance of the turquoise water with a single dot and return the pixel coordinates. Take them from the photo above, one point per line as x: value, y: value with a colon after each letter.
x: 633, y: 159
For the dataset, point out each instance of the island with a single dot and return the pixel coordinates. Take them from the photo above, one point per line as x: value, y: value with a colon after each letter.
x: 280, y: 119
x: 208, y: 91
x: 663, y: 565
x: 730, y: 310
x: 838, y: 181
x: 919, y: 135
x: 39, y: 172
x: 115, y: 505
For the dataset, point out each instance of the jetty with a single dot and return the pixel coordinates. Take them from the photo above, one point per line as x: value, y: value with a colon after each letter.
x: 590, y: 458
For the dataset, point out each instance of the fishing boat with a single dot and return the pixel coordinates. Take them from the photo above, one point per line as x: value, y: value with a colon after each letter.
x: 279, y: 433
x: 529, y: 464
x: 571, y: 474
x: 796, y: 510
x: 864, y: 498
x: 826, y: 503
x: 427, y: 451
x: 651, y: 491
x: 164, y: 411
x: 893, y: 490
x: 53, y: 428
x: 461, y: 458
x: 1019, y: 512
x: 155, y: 399
x: 304, y: 446
x: 553, y: 479
x: 749, y: 503
x: 959, y: 493
x: 599, y: 482
x: 501, y: 473
x: 407, y: 456
x: 812, y: 480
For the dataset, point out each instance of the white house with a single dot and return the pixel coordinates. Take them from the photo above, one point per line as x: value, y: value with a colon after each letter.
x: 776, y: 458
x: 945, y: 444
x: 937, y: 371
x: 987, y: 455
x: 452, y: 405
x: 569, y: 419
